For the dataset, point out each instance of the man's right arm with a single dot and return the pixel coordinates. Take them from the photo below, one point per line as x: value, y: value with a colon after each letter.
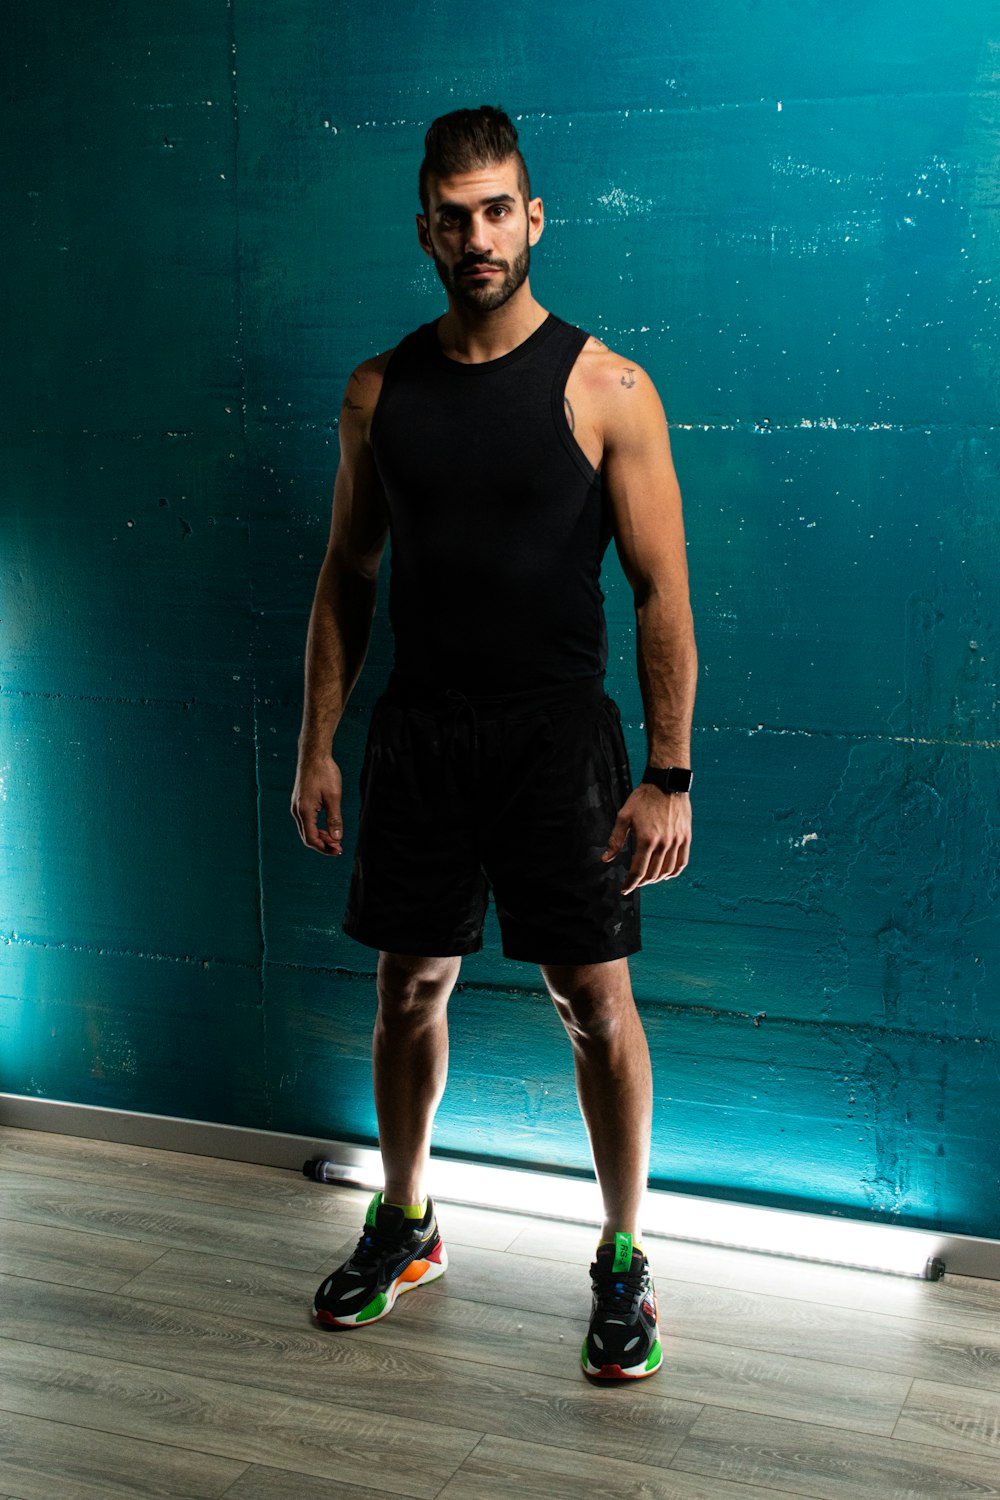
x: 342, y: 610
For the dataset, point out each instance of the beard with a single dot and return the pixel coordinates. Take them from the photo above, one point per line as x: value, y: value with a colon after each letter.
x: 496, y: 291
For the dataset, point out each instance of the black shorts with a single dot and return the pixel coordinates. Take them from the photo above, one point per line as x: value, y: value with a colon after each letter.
x: 519, y: 794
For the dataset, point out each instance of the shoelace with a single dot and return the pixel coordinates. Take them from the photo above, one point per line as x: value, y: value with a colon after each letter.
x: 372, y: 1245
x: 619, y: 1294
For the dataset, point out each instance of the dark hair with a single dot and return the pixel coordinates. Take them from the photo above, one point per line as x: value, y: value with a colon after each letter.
x: 470, y: 138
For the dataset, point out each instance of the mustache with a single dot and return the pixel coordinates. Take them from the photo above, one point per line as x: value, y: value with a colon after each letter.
x: 468, y: 262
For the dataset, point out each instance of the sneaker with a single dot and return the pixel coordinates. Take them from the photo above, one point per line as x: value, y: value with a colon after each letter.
x: 393, y: 1255
x: 623, y: 1340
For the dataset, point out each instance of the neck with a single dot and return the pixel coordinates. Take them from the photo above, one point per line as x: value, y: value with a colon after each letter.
x: 473, y: 338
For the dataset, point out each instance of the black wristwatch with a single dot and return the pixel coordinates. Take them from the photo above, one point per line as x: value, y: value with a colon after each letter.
x: 668, y: 778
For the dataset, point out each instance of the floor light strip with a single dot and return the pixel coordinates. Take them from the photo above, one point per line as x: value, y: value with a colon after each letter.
x: 814, y: 1237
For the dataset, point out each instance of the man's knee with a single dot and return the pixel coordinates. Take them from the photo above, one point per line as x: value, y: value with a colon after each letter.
x: 413, y: 987
x: 593, y: 1000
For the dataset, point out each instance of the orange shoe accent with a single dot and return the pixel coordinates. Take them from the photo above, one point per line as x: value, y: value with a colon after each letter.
x: 415, y: 1271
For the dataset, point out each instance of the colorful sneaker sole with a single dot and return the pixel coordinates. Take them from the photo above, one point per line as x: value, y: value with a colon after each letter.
x: 417, y: 1273
x: 616, y: 1372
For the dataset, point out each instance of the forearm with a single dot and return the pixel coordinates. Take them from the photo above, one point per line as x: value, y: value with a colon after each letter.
x: 336, y: 646
x: 667, y: 662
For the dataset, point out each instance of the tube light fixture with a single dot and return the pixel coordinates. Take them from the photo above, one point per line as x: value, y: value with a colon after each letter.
x: 803, y: 1236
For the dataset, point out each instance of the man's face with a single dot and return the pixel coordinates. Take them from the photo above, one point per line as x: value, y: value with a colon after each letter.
x: 478, y: 230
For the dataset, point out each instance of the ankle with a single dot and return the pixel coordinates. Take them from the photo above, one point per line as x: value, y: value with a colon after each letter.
x: 414, y: 1209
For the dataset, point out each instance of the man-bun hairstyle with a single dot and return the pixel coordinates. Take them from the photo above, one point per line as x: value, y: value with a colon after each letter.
x: 467, y: 139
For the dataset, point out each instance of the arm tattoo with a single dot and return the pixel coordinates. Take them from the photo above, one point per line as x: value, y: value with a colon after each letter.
x: 569, y: 414
x: 350, y: 405
x: 628, y: 379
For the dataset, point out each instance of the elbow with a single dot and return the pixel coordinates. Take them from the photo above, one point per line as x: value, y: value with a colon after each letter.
x: 347, y: 567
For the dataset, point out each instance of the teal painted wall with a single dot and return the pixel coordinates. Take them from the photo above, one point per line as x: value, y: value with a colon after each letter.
x: 789, y: 214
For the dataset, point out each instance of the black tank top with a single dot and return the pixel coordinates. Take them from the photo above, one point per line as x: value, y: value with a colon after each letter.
x: 497, y: 521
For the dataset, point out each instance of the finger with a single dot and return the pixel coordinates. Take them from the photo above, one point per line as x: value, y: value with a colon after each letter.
x: 637, y: 873
x: 310, y: 832
x: 674, y: 861
x: 659, y: 864
x: 334, y: 830
x: 616, y: 841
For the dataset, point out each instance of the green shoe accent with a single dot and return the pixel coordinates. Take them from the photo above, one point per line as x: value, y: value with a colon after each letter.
x: 583, y: 1353
x: 623, y: 1252
x: 372, y: 1210
x: 655, y: 1355
x: 374, y: 1308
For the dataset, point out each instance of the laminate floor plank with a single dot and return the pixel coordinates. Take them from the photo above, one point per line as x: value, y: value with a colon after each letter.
x: 868, y: 1342
x: 72, y: 1257
x: 167, y: 1222
x: 241, y: 1186
x: 347, y: 1369
x: 229, y: 1420
x: 241, y: 1288
x: 804, y: 1458
x: 259, y: 1483
x: 209, y: 1178
x: 499, y: 1467
x: 952, y: 1417
x: 41, y: 1460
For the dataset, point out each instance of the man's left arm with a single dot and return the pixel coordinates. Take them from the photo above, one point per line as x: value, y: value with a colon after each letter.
x: 645, y: 500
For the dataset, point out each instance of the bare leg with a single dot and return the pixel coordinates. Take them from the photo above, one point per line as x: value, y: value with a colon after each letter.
x: 410, y: 1064
x: 613, y: 1080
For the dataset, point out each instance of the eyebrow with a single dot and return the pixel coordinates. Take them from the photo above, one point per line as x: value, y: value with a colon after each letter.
x: 451, y: 208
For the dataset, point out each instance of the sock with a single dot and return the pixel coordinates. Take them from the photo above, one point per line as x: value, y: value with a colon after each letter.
x: 410, y: 1210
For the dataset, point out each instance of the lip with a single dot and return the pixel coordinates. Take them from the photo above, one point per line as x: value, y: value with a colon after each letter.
x: 480, y: 273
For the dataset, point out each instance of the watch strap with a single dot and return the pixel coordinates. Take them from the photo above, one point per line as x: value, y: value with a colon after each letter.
x: 669, y: 778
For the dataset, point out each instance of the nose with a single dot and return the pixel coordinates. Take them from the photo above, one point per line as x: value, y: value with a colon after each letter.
x: 477, y: 241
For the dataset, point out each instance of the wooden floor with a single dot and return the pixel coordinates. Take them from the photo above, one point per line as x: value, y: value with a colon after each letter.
x: 155, y: 1340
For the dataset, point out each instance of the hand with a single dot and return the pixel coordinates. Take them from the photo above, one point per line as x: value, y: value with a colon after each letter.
x: 318, y: 787
x: 660, y: 823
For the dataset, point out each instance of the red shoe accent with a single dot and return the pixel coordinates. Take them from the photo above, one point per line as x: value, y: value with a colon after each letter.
x: 615, y: 1372
x: 435, y: 1254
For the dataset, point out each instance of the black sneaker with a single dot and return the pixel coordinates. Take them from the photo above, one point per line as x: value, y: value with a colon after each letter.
x: 393, y: 1255
x: 623, y: 1340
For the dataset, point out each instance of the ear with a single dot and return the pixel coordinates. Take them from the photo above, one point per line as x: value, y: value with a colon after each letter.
x: 423, y: 235
x: 536, y: 220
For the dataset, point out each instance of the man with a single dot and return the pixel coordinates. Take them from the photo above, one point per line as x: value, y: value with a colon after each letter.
x: 502, y: 449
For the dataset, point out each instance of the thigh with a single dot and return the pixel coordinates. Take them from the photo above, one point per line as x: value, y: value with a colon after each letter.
x: 417, y: 886
x: 558, y: 901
